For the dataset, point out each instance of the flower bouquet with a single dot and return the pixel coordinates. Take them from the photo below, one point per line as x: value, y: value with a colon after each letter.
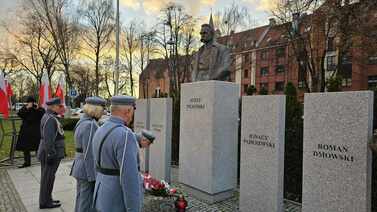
x: 157, y: 188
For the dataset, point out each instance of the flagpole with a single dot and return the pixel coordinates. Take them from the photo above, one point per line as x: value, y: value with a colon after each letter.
x: 116, y: 91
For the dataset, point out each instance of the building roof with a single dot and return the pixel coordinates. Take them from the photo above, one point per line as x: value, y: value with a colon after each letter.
x: 155, y: 66
x: 245, y: 40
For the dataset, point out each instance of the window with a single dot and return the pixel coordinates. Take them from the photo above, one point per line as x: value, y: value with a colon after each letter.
x: 346, y: 82
x: 330, y: 44
x: 331, y: 63
x: 280, y: 69
x: 301, y: 84
x: 264, y: 71
x: 263, y: 55
x: 264, y: 86
x: 372, y: 60
x: 346, y: 74
x: 372, y: 82
x: 279, y: 86
x: 280, y: 52
x: 346, y: 59
x: 246, y: 73
x: 301, y: 78
x: 245, y: 57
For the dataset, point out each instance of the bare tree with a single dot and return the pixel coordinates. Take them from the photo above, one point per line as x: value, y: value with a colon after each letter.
x: 34, y: 51
x: 61, y: 23
x: 8, y: 64
x: 189, y: 44
x: 332, y: 26
x: 99, y: 24
x: 130, y: 45
x: 232, y: 19
x: 147, y: 44
x: 303, y: 32
x: 169, y: 37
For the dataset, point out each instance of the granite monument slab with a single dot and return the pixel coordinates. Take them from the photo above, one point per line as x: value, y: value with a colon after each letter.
x: 141, y: 121
x: 208, y: 139
x: 262, y: 153
x: 160, y: 150
x: 336, y: 157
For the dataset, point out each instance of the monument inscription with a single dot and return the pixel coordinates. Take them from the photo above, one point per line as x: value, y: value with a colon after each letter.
x: 259, y: 140
x: 333, y: 152
x: 336, y: 157
x: 195, y: 103
x: 262, y: 153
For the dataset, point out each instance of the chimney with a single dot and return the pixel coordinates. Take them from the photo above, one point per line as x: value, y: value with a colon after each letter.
x: 272, y: 21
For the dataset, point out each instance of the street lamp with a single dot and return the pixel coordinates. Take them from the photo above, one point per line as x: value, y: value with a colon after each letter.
x: 116, y: 89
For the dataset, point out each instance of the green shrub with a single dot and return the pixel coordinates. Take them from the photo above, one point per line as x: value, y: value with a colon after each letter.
x: 263, y: 91
x: 251, y: 90
x: 69, y: 123
x: 334, y: 84
x: 293, y: 145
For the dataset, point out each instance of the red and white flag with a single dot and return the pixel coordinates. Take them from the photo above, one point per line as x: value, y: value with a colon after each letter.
x: 60, y: 89
x: 44, y: 91
x: 4, y: 107
x: 9, y: 92
x: 9, y: 89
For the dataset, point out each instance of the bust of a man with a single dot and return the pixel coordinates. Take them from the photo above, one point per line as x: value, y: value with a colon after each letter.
x: 212, y: 61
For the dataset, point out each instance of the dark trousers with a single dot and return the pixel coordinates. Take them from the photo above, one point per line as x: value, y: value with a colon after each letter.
x: 48, y: 172
x: 27, y: 157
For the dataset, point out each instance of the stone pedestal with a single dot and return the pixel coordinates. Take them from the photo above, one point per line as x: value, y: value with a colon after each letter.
x: 141, y: 121
x: 262, y: 154
x: 208, y: 139
x: 336, y: 157
x: 160, y: 150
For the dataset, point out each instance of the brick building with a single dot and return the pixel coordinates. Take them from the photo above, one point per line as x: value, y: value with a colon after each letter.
x: 265, y: 57
x: 154, y: 79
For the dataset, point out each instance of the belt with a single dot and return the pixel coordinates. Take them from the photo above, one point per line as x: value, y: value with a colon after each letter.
x: 105, y: 171
x: 80, y: 150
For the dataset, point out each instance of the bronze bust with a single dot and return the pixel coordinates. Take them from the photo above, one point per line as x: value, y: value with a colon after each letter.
x: 212, y: 61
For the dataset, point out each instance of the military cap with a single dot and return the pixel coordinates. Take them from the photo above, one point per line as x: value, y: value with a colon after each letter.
x: 145, y: 133
x: 123, y: 100
x: 54, y: 101
x: 95, y: 100
x: 148, y: 135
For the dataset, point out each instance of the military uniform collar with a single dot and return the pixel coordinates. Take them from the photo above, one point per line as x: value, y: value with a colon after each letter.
x: 116, y: 119
x: 86, y: 117
x: 51, y: 112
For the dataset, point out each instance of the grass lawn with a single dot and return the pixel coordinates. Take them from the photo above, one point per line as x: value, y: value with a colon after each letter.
x: 6, y: 144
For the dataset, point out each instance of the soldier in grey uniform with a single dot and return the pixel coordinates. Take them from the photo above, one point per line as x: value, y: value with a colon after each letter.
x: 145, y: 138
x: 83, y: 168
x: 115, y: 151
x: 50, y: 152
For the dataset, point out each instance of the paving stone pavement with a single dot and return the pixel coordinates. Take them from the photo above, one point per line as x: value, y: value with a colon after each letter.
x: 9, y: 198
x: 22, y: 195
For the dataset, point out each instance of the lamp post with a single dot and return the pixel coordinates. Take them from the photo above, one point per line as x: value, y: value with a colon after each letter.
x: 116, y: 89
